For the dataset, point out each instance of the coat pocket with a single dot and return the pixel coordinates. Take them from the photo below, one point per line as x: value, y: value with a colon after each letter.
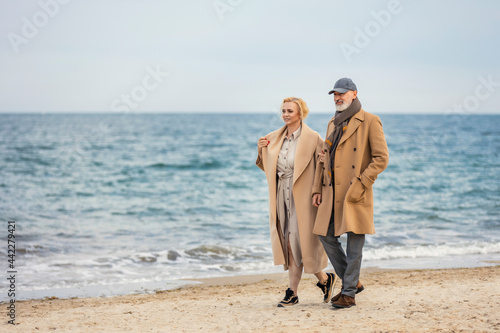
x: 356, y: 192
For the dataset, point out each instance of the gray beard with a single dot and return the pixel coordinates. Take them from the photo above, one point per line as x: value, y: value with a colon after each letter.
x: 342, y: 106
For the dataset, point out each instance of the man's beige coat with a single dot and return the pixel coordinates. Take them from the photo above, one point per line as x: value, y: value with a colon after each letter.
x: 308, y: 146
x: 360, y: 156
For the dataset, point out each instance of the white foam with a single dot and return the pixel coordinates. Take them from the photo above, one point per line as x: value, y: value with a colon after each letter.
x: 431, y: 250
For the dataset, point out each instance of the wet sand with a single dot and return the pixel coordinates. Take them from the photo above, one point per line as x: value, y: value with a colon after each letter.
x: 445, y: 300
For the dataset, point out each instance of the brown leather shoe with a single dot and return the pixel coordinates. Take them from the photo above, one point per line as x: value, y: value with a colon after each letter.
x: 336, y: 297
x: 359, y: 288
x: 344, y: 302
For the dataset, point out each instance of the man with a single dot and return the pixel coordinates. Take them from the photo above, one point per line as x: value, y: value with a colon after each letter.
x: 355, y: 153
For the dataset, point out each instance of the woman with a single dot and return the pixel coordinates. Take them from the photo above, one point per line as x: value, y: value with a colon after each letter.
x: 288, y: 157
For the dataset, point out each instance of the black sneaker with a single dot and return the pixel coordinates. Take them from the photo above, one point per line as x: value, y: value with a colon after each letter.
x: 327, y: 288
x: 360, y: 289
x: 289, y: 299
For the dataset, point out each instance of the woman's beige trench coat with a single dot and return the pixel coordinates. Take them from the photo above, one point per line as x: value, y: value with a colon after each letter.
x: 308, y: 146
x: 360, y: 156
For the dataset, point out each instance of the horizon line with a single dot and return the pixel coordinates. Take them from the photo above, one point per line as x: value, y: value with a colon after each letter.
x: 224, y: 112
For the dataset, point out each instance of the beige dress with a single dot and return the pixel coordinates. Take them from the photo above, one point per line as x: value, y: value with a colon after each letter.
x: 284, y: 202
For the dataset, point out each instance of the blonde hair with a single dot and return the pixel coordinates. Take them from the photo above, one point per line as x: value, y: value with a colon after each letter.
x: 303, y: 109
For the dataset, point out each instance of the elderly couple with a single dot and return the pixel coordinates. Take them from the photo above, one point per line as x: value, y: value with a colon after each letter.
x: 319, y: 190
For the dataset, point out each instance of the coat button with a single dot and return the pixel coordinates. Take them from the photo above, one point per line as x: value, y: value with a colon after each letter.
x: 353, y: 166
x: 330, y: 184
x: 354, y: 149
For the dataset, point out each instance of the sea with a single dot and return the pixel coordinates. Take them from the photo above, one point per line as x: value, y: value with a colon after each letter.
x: 113, y: 204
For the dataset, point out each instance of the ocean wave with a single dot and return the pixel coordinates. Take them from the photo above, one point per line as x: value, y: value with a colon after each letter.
x: 212, y: 252
x: 204, y: 255
x: 432, y: 250
x: 195, y: 165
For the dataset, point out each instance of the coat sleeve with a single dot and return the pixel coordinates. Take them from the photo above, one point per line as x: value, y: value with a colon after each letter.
x: 379, y: 151
x: 259, y: 161
x: 318, y: 175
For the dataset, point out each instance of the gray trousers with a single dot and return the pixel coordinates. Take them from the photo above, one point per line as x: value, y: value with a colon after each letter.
x: 346, y: 267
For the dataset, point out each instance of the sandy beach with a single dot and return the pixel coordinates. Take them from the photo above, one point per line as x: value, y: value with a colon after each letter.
x: 447, y: 300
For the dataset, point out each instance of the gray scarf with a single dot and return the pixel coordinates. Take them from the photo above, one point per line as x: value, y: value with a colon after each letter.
x: 340, y: 121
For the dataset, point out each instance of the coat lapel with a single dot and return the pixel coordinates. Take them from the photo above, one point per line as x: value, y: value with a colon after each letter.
x: 276, y: 141
x: 353, y: 125
x: 306, y: 146
x: 329, y: 131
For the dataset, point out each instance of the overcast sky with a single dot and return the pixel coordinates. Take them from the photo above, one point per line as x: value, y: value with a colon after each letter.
x: 247, y: 55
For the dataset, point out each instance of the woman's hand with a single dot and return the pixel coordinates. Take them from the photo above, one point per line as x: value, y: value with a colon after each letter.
x: 263, y: 142
x: 317, y: 200
x: 321, y: 157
